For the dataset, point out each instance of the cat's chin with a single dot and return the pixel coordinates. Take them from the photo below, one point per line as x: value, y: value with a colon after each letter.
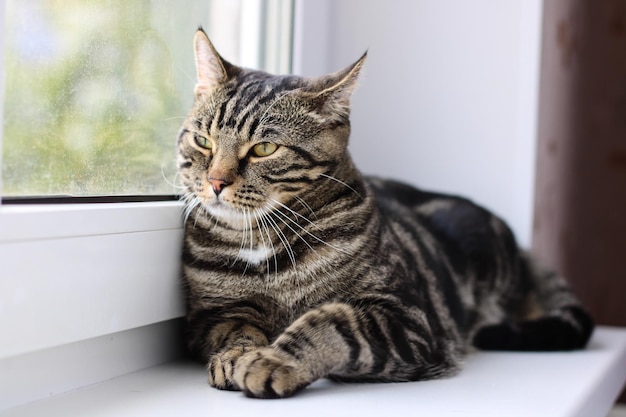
x: 227, y: 214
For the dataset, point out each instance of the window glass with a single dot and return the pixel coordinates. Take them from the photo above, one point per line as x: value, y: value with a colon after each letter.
x: 95, y: 90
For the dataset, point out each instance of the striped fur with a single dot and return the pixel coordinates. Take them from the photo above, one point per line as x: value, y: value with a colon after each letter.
x: 296, y: 267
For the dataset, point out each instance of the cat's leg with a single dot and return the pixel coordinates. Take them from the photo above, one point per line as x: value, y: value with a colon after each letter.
x: 551, y: 318
x: 229, y: 341
x: 219, y: 331
x: 315, y: 345
x: 365, y: 343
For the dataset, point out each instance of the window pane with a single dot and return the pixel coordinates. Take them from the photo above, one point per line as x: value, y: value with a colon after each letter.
x: 95, y: 90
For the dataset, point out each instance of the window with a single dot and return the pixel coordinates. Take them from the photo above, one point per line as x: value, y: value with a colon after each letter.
x: 95, y: 90
x: 74, y: 278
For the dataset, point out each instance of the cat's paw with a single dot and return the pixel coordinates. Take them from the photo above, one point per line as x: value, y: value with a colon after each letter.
x: 221, y: 367
x: 266, y: 373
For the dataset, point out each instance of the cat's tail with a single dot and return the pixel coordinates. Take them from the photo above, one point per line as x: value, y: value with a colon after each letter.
x: 552, y: 317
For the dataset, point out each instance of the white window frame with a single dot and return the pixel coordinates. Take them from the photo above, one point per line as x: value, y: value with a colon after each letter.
x: 92, y: 291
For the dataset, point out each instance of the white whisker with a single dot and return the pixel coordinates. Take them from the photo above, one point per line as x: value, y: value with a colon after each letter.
x: 167, y: 119
x: 283, y: 240
x: 291, y: 228
x: 243, y: 243
x: 261, y: 229
x: 247, y: 222
x: 296, y: 214
x: 264, y: 221
x: 337, y: 248
x: 342, y: 183
x: 304, y: 203
x: 172, y: 183
x: 191, y: 203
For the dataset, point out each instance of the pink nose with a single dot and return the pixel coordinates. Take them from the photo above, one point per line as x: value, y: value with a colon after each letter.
x: 218, y: 184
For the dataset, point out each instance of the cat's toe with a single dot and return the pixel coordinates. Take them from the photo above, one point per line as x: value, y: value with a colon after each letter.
x: 265, y: 373
x: 221, y: 368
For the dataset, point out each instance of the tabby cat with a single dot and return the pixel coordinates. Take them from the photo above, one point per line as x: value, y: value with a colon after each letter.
x: 297, y: 267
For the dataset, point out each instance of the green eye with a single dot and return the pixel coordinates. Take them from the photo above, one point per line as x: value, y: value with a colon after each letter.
x: 264, y: 149
x: 203, y: 142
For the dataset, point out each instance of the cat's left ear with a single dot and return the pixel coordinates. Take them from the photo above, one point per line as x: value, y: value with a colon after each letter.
x: 331, y: 94
x: 211, y: 68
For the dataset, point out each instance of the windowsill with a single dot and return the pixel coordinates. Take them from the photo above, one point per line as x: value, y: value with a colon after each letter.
x: 583, y: 383
x: 76, y: 272
x: 25, y: 222
x: 87, y: 292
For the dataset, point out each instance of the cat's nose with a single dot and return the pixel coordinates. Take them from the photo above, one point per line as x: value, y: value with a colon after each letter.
x: 219, y: 184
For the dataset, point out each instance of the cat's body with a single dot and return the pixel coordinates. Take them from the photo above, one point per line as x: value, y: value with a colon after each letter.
x: 297, y: 267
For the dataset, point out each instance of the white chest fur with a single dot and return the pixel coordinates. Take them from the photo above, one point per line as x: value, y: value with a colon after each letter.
x: 256, y: 255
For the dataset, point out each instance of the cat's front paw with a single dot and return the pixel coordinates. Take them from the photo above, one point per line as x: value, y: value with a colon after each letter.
x: 221, y: 367
x: 266, y: 373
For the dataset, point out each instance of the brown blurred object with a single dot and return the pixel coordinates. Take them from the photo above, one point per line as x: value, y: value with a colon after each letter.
x: 580, y: 200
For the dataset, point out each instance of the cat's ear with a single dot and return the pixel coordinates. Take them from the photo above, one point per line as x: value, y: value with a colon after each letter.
x: 332, y: 93
x: 211, y: 68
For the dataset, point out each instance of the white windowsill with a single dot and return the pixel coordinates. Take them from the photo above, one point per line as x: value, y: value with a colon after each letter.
x: 571, y: 384
x: 79, y: 271
x: 23, y: 222
x: 87, y: 292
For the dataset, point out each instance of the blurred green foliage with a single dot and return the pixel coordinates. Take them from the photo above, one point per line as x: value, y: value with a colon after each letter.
x: 95, y: 91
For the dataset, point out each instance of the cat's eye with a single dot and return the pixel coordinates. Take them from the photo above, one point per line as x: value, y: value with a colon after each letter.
x: 264, y: 149
x: 203, y: 142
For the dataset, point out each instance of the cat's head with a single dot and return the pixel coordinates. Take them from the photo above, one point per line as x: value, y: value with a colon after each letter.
x: 255, y: 141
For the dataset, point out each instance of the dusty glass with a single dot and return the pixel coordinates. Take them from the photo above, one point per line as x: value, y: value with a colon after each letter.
x: 95, y: 90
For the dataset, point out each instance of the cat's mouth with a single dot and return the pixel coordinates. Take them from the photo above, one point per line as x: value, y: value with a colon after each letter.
x: 243, y: 214
x: 221, y: 209
x: 225, y: 212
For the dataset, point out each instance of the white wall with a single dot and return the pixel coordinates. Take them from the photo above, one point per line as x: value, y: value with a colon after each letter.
x: 449, y: 96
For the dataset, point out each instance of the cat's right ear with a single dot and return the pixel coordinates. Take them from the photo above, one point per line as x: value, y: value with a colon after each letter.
x: 211, y: 68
